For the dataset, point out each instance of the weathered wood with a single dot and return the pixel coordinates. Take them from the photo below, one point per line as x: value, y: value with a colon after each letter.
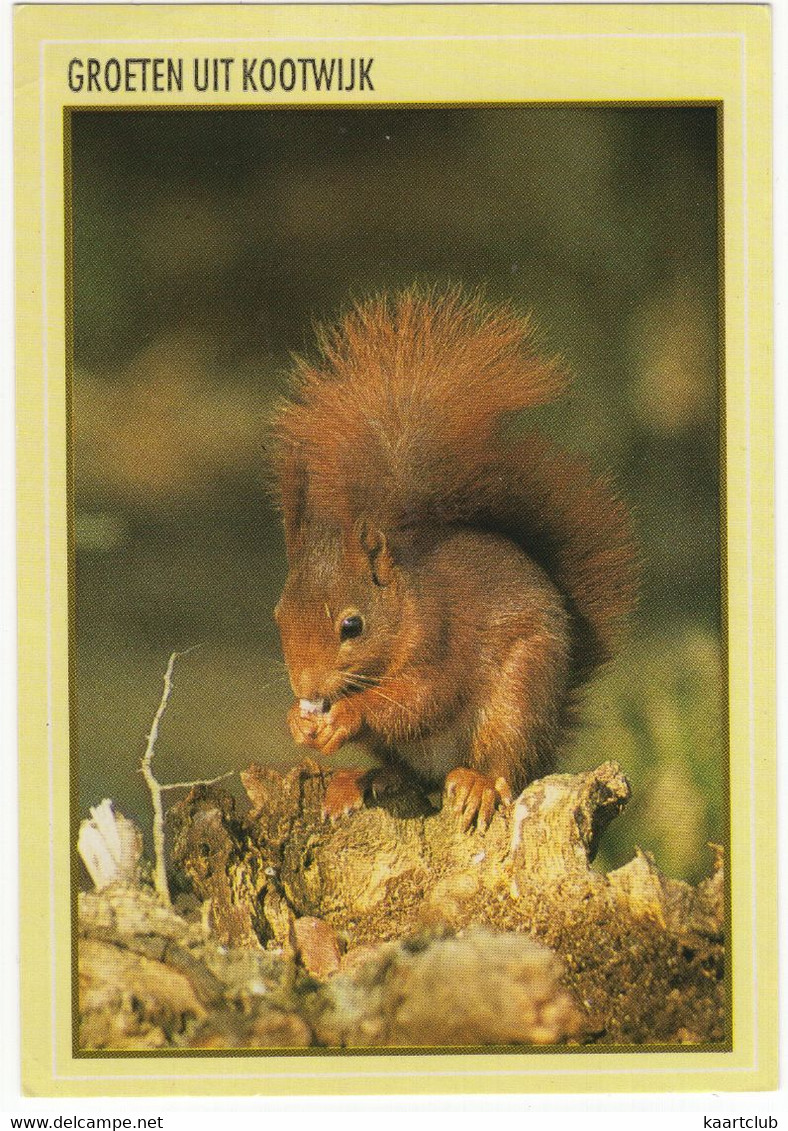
x: 395, y: 927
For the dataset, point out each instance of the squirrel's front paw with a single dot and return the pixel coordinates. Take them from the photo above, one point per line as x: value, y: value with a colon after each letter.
x: 325, y: 732
x: 337, y: 726
x: 475, y: 796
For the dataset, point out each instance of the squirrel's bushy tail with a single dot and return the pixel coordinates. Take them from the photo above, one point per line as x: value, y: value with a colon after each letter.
x: 399, y: 423
x: 572, y: 521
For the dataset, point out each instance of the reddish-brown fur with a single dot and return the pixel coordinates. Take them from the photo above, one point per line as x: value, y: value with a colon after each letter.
x: 491, y: 574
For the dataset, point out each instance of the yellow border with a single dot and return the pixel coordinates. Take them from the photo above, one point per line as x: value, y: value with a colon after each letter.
x: 447, y: 54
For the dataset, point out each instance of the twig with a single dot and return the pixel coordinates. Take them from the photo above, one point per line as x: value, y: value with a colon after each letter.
x: 159, y: 868
x: 191, y: 784
x: 156, y: 788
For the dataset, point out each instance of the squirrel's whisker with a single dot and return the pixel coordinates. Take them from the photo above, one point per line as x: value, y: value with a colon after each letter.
x: 395, y: 702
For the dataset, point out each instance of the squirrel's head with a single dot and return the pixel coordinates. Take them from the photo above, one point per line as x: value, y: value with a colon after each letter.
x: 340, y: 615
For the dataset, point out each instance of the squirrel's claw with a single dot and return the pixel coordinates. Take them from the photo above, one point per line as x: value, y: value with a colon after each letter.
x: 475, y: 796
x: 504, y: 791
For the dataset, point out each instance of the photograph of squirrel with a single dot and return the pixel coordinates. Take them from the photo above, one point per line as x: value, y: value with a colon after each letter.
x: 452, y: 583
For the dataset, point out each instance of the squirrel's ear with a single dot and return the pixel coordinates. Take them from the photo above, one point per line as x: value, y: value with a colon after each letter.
x: 375, y: 546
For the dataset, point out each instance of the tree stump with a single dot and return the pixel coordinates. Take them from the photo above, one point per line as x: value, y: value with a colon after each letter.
x: 393, y: 927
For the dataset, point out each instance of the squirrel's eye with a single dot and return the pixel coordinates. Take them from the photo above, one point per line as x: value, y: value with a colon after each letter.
x: 351, y: 627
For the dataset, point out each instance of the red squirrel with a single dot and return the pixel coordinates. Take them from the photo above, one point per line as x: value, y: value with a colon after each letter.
x: 451, y: 584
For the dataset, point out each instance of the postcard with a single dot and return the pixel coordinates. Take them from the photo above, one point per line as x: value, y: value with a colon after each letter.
x: 396, y: 637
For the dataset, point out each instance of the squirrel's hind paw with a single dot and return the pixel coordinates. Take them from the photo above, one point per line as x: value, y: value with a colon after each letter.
x: 475, y: 797
x: 347, y: 790
x: 344, y: 794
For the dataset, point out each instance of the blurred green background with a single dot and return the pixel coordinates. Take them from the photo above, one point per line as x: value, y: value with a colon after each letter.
x: 206, y: 244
